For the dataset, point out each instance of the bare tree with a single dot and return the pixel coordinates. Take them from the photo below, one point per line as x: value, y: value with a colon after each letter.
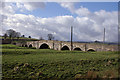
x: 11, y: 33
x: 5, y: 36
x: 50, y: 37
x: 18, y: 34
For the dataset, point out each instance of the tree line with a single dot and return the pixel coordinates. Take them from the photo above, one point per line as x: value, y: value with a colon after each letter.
x: 13, y: 34
x: 50, y: 37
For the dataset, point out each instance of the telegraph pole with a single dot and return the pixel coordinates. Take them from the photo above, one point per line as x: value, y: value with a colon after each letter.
x: 104, y: 36
x: 71, y: 38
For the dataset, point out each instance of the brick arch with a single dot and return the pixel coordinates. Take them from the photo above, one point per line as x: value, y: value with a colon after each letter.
x: 44, y: 46
x: 22, y: 45
x: 48, y: 43
x: 30, y: 45
x: 26, y: 45
x: 77, y: 49
x: 83, y: 46
x: 65, y: 47
x: 91, y: 49
x: 79, y: 45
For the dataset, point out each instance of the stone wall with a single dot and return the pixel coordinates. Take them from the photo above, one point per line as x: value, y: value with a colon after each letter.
x: 58, y: 45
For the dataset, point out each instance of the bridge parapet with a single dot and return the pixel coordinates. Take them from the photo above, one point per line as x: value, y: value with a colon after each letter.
x: 62, y: 45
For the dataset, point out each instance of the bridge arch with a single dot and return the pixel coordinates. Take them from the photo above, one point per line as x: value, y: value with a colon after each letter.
x: 26, y: 45
x: 22, y: 45
x: 65, y: 48
x: 44, y: 46
x: 77, y: 49
x: 92, y: 50
x: 30, y: 46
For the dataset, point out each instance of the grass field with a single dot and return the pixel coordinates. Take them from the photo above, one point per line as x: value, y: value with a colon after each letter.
x: 25, y: 63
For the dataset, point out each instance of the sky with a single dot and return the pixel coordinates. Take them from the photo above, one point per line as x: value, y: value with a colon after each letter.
x: 37, y: 19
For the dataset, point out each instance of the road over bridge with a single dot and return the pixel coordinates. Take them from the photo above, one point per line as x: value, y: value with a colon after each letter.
x: 64, y: 45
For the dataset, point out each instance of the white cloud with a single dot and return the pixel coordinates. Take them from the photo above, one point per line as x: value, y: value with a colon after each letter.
x: 96, y: 22
x: 82, y: 11
x: 30, y: 6
x: 2, y: 4
x: 71, y: 7
x: 88, y: 27
x: 68, y: 5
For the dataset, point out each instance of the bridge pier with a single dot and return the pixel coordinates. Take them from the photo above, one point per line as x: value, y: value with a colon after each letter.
x: 58, y: 45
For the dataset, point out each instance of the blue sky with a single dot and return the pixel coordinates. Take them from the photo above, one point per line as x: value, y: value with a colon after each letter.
x: 39, y: 19
x: 96, y: 6
x: 53, y: 9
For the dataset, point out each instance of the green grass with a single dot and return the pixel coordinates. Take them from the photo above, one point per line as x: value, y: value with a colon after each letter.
x: 51, y: 64
x: 7, y: 46
x: 61, y: 55
x: 10, y: 46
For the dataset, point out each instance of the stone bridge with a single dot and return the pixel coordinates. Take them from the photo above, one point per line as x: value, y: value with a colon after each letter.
x: 64, y: 45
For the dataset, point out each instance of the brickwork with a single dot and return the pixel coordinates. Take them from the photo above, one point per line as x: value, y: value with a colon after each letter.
x: 58, y: 45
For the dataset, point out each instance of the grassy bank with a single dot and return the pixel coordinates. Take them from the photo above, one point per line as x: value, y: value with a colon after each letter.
x: 51, y: 64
